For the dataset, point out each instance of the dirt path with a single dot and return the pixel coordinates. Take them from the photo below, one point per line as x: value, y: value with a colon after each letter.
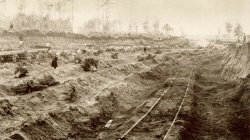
x: 214, y: 119
x: 154, y: 126
x: 214, y: 114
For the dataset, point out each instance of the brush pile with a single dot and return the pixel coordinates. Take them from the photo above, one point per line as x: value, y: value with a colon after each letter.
x: 35, y: 85
x: 90, y: 64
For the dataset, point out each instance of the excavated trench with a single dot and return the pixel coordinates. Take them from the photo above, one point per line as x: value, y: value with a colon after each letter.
x: 214, y: 108
x: 219, y: 107
x: 86, y: 119
x: 57, y: 113
x: 30, y: 108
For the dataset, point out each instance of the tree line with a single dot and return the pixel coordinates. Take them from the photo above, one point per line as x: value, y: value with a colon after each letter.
x: 95, y: 25
x: 236, y: 31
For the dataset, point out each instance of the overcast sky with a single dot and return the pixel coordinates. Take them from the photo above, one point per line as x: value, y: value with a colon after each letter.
x: 193, y: 16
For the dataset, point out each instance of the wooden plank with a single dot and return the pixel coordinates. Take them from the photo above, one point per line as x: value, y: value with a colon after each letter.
x: 6, y: 53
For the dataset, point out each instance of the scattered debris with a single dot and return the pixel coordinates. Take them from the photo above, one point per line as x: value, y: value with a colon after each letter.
x: 35, y: 85
x: 124, y: 91
x: 18, y: 136
x: 28, y: 87
x: 20, y: 71
x: 158, y: 52
x: 5, y: 107
x: 107, y: 125
x: 98, y: 52
x: 114, y: 55
x: 72, y: 94
x: 169, y: 82
x: 144, y: 57
x: 110, y: 50
x: 48, y: 80
x: 77, y: 59
x: 83, y: 51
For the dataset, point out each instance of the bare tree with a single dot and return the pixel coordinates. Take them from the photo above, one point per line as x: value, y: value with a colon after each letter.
x: 167, y: 28
x: 58, y: 8
x: 3, y: 1
x: 219, y: 33
x: 119, y: 25
x: 156, y: 26
x: 49, y: 7
x: 22, y: 6
x: 238, y: 31
x: 106, y: 10
x: 3, y: 7
x: 64, y: 4
x: 145, y: 26
x: 130, y: 27
x: 136, y: 27
x: 228, y: 28
x: 91, y: 26
x: 106, y: 27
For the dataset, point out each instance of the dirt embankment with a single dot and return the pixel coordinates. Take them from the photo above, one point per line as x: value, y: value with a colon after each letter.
x: 10, y: 40
x: 60, y: 111
x: 236, y: 61
x: 236, y: 66
x: 218, y: 106
x: 79, y: 107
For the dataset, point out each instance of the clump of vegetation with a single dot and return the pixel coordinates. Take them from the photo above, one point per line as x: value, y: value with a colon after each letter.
x: 158, y: 52
x: 90, y: 64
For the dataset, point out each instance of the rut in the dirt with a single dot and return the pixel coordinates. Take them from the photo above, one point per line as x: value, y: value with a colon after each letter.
x: 214, y: 113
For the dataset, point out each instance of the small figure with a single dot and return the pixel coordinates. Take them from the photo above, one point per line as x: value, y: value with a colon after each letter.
x: 29, y: 57
x: 72, y: 94
x: 20, y: 41
x: 54, y: 62
x: 39, y: 57
x: 11, y: 26
x: 244, y: 38
x: 15, y: 58
x: 145, y: 49
x: 29, y: 86
x: 113, y: 99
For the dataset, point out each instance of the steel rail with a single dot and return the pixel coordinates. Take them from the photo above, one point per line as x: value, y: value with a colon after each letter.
x: 135, y: 124
x: 179, y: 109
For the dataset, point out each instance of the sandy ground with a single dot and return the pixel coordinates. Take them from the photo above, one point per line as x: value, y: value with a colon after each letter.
x: 216, y: 113
x: 135, y: 86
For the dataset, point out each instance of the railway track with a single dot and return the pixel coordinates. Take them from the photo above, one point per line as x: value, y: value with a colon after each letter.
x: 147, y: 121
x: 162, y: 92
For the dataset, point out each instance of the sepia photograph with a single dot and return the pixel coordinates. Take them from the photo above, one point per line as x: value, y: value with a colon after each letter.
x: 124, y: 69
